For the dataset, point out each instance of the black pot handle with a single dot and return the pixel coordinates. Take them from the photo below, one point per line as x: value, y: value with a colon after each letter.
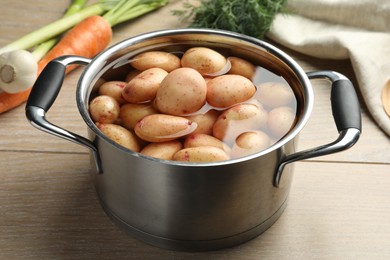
x: 346, y: 114
x: 44, y: 93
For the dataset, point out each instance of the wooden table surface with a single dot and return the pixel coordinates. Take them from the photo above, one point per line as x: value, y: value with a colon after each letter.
x: 339, y: 205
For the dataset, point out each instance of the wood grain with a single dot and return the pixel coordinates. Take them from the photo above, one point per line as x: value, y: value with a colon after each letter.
x: 339, y: 204
x: 335, y: 211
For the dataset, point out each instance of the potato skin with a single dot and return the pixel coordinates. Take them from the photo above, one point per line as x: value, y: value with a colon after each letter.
x: 198, y: 140
x: 163, y: 150
x: 205, y: 122
x: 131, y: 74
x: 183, y: 91
x: 104, y: 109
x: 161, y: 127
x: 280, y: 121
x: 237, y: 120
x: 202, y: 107
x: 201, y: 154
x: 227, y: 90
x: 120, y: 135
x: 156, y: 59
x: 250, y: 142
x: 144, y: 86
x: 241, y: 67
x: 275, y: 94
x: 113, y: 89
x: 204, y: 60
x: 130, y: 114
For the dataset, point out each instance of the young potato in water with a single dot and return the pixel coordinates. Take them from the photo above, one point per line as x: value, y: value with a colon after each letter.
x: 280, y: 121
x: 131, y: 74
x: 204, y: 60
x: 183, y: 91
x: 113, y: 89
x: 237, y: 120
x: 120, y: 135
x: 130, y: 114
x: 197, y: 140
x: 144, y: 86
x: 250, y: 142
x: 104, y: 109
x: 227, y: 90
x: 241, y: 67
x: 201, y: 154
x: 275, y: 94
x: 205, y: 122
x: 156, y: 59
x: 162, y: 128
x: 163, y: 150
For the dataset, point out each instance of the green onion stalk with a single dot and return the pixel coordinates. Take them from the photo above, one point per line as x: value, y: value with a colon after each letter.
x: 18, y: 66
x: 115, y: 11
x: 44, y: 47
x: 55, y: 28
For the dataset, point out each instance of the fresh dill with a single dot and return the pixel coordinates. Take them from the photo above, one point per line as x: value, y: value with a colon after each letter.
x: 249, y: 17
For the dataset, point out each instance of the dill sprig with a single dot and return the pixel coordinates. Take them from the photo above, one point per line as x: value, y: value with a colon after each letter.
x: 249, y: 17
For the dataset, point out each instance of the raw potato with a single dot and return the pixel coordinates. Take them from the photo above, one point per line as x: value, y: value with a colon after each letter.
x: 113, y: 89
x: 280, y: 121
x: 205, y: 122
x: 197, y: 140
x: 275, y: 94
x: 201, y: 154
x: 227, y: 90
x: 130, y: 114
x: 183, y: 91
x: 164, y: 150
x: 250, y: 142
x: 202, y: 107
x: 156, y: 59
x: 144, y: 86
x: 104, y: 109
x: 241, y: 67
x: 99, y: 82
x: 131, y: 74
x: 204, y: 60
x: 162, y: 128
x: 237, y: 120
x: 116, y: 73
x: 120, y: 135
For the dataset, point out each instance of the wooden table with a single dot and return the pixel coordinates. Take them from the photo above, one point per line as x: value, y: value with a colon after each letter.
x: 339, y: 205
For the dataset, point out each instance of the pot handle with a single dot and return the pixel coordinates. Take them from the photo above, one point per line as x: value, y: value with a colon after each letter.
x: 43, y: 94
x: 346, y: 114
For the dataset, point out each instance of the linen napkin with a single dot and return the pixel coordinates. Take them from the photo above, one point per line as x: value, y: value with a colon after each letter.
x: 358, y: 30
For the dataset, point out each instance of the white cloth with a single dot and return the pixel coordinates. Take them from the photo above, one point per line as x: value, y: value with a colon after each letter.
x: 358, y: 30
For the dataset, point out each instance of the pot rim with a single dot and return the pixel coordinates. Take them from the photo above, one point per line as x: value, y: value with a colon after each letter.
x: 100, y: 60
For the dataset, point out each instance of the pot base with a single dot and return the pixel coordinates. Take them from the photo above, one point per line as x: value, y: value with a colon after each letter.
x: 196, y: 245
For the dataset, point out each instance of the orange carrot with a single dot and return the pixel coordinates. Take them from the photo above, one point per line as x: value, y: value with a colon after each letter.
x: 86, y: 39
x: 9, y: 101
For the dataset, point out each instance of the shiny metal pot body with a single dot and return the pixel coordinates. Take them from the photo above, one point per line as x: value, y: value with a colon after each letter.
x: 193, y: 206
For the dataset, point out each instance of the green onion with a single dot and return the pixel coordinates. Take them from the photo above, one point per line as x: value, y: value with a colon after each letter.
x: 128, y: 9
x: 57, y: 27
x: 115, y: 12
x: 44, y: 47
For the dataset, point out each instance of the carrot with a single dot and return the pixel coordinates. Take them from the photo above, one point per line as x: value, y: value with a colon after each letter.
x: 86, y: 39
x: 9, y: 101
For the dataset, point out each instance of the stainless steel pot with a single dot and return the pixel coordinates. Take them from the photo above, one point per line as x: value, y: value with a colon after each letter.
x: 194, y: 206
